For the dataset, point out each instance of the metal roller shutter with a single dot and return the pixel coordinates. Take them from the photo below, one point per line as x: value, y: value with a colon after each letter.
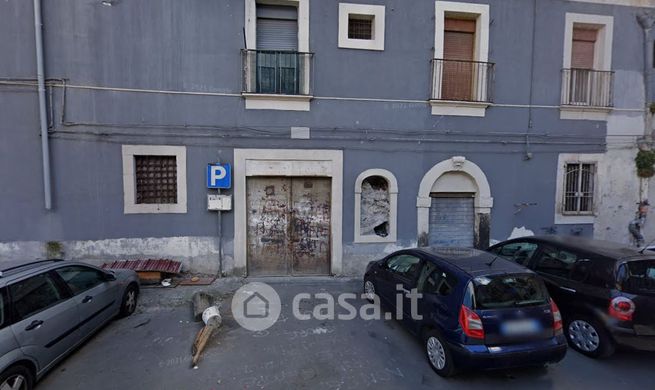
x: 452, y: 221
x: 277, y: 28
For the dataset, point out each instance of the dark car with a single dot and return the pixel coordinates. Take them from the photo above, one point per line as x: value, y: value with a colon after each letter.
x: 478, y: 310
x: 606, y: 290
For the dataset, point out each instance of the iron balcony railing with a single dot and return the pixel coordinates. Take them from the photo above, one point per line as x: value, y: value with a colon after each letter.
x: 587, y: 87
x: 467, y: 81
x: 277, y: 72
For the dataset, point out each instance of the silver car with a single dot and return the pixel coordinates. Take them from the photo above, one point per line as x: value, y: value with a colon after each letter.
x: 49, y: 307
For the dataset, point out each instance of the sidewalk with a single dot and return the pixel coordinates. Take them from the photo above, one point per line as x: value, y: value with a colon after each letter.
x: 156, y: 298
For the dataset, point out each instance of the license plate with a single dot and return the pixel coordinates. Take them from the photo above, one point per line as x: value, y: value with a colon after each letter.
x: 520, y: 327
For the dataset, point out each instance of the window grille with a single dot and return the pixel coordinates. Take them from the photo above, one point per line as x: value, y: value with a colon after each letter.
x: 156, y: 179
x: 360, y: 28
x: 579, y: 188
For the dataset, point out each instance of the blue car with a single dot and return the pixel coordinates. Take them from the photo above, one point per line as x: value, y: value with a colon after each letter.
x: 471, y: 309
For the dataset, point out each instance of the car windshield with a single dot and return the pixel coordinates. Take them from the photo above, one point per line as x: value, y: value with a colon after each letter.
x: 637, y: 277
x: 504, y: 291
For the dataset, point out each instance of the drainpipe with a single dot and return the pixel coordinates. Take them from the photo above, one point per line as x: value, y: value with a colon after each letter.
x: 528, y: 154
x: 43, y: 117
x: 646, y: 21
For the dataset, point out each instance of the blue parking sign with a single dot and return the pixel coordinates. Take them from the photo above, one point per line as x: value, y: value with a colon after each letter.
x: 219, y: 176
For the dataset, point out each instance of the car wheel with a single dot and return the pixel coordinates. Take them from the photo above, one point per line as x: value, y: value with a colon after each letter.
x: 438, y: 355
x: 129, y: 302
x: 589, y: 337
x: 369, y: 290
x: 17, y: 378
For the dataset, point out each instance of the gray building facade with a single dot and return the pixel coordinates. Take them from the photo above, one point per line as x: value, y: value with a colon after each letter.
x: 343, y: 147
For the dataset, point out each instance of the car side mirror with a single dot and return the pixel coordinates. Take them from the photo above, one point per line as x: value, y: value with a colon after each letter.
x: 109, y: 277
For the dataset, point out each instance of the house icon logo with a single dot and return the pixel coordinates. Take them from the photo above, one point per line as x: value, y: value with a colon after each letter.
x: 256, y: 306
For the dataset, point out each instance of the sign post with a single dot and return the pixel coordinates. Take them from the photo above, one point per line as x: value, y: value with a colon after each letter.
x: 219, y: 176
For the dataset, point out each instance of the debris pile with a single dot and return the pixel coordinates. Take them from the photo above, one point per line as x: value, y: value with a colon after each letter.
x: 149, y: 270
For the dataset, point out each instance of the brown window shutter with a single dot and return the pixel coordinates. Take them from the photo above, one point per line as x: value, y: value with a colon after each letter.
x: 459, y: 43
x: 582, y: 51
x: 460, y: 25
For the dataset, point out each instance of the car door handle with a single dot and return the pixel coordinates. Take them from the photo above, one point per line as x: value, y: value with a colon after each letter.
x: 87, y: 299
x: 36, y: 324
x: 567, y: 289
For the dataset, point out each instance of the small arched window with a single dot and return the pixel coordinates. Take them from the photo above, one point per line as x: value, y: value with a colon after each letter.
x: 376, y: 200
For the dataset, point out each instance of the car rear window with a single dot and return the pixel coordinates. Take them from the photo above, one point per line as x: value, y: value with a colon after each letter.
x: 505, y: 291
x: 637, y: 277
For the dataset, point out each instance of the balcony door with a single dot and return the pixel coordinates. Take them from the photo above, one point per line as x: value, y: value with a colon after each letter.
x: 582, y: 65
x: 277, y: 49
x: 459, y: 45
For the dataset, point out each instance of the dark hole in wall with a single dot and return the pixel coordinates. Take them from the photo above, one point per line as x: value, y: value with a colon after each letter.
x: 378, y: 183
x: 375, y: 207
x: 382, y: 229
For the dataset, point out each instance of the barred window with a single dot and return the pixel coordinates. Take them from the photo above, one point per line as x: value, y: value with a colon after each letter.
x: 360, y: 27
x: 156, y: 179
x: 579, y: 183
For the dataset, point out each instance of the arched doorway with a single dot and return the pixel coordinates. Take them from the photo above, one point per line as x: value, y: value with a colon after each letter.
x: 454, y: 205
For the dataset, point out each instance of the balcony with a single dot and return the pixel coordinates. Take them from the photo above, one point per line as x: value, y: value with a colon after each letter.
x: 586, y: 94
x: 461, y: 87
x: 277, y: 80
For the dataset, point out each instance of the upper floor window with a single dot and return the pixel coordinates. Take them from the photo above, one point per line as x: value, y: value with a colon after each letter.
x: 461, y: 83
x: 276, y: 59
x: 586, y: 75
x: 361, y: 26
x: 458, y: 57
x: 583, y: 47
x: 277, y: 27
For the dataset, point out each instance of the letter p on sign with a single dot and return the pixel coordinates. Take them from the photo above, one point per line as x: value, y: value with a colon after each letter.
x: 219, y: 176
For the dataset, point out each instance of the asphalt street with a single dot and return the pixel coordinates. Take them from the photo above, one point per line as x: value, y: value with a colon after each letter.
x: 152, y: 350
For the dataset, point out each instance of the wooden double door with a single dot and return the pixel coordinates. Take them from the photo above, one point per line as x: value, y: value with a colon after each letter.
x: 288, y: 230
